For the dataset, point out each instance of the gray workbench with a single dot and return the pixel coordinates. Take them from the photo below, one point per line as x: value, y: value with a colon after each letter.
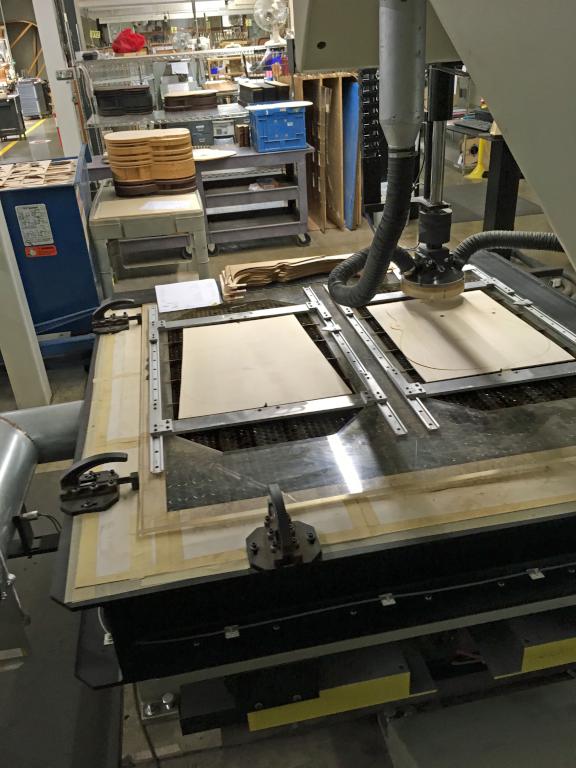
x: 233, y: 190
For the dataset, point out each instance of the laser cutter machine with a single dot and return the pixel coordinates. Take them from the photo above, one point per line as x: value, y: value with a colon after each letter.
x: 288, y: 562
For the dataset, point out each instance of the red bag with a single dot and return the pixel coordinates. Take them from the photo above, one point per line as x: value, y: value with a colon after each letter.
x: 128, y: 42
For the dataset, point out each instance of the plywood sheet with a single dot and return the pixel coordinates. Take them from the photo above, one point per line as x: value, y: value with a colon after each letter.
x: 251, y: 364
x: 478, y: 335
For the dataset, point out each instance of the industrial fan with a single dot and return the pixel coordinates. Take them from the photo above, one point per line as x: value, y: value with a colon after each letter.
x: 271, y: 15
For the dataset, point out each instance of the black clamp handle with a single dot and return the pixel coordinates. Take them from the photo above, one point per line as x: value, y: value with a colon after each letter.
x: 113, y: 323
x: 82, y: 490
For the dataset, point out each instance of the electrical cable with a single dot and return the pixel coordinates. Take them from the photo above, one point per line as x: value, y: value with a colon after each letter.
x: 55, y: 522
x: 145, y: 733
x: 101, y: 621
x: 426, y: 593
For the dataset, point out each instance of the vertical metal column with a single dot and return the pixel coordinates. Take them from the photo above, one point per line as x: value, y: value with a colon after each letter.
x: 62, y: 93
x: 437, y: 164
x: 18, y: 342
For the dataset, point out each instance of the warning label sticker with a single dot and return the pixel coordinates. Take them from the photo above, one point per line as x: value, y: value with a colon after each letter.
x: 34, y: 224
x: 34, y: 252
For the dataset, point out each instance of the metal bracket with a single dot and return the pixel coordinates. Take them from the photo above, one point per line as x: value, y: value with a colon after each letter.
x: 113, y: 323
x: 280, y: 542
x: 82, y: 490
x: 163, y: 425
x: 387, y: 600
x: 27, y: 543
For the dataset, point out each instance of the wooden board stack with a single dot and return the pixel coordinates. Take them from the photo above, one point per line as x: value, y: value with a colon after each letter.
x: 151, y: 162
x: 235, y: 278
x: 202, y: 99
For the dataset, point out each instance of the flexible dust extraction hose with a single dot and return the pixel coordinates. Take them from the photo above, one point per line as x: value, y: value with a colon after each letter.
x: 536, y: 241
x: 374, y: 261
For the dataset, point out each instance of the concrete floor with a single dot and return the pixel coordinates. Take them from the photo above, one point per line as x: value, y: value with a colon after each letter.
x: 38, y: 704
x: 42, y: 143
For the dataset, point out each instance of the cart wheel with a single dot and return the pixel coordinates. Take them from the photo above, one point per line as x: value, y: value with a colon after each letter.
x: 303, y: 240
x: 213, y: 250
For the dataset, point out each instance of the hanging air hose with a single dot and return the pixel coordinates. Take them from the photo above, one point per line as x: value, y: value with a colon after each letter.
x: 536, y: 241
x: 374, y: 261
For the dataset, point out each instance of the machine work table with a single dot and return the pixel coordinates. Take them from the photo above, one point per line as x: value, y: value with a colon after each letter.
x: 397, y: 485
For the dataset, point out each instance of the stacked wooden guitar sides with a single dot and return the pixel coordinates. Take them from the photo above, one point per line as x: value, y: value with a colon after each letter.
x: 202, y: 99
x: 235, y: 278
x: 151, y: 162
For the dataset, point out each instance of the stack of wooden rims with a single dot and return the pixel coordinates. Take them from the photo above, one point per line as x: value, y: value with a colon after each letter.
x: 203, y: 99
x: 151, y: 162
x: 174, y: 169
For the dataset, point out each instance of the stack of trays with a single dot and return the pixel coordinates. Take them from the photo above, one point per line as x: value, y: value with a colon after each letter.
x: 151, y: 162
x: 176, y: 102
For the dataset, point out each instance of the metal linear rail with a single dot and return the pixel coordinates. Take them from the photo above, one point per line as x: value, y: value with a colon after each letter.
x: 155, y: 393
x: 267, y: 413
x: 361, y: 371
x: 528, y: 307
x: 195, y: 322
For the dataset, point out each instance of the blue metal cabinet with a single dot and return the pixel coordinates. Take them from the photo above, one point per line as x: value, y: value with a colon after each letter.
x: 57, y: 274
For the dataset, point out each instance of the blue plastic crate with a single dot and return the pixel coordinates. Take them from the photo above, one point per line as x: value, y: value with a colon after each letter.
x: 276, y: 127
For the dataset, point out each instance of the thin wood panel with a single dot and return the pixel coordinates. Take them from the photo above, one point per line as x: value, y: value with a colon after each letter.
x: 335, y: 154
x: 252, y: 364
x: 478, y: 335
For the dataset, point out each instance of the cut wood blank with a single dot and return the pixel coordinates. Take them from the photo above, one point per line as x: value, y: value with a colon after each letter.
x: 476, y: 336
x: 252, y: 364
x: 234, y: 278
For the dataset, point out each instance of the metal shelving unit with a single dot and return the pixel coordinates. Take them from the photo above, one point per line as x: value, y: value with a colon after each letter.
x: 159, y: 118
x: 280, y: 210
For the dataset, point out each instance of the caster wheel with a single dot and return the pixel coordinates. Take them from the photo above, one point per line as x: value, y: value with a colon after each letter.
x: 303, y: 240
x: 213, y: 250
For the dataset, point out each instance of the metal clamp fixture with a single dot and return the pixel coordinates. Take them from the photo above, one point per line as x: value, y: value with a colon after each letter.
x: 82, y: 490
x: 280, y: 542
x: 114, y: 323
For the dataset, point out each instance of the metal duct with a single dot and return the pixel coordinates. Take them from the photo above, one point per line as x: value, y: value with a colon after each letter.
x: 52, y: 428
x: 18, y: 459
x: 402, y: 66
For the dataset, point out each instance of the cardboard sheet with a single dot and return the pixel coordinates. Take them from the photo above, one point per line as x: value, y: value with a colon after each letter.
x: 478, y: 335
x: 252, y: 364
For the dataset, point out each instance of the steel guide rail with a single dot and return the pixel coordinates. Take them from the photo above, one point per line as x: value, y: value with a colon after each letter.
x: 361, y: 371
x: 159, y: 426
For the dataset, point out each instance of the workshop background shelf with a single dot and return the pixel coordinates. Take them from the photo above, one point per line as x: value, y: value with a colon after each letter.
x: 274, y: 183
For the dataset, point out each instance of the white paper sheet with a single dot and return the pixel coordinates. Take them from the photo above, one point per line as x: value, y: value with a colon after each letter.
x: 179, y: 67
x: 187, y: 295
